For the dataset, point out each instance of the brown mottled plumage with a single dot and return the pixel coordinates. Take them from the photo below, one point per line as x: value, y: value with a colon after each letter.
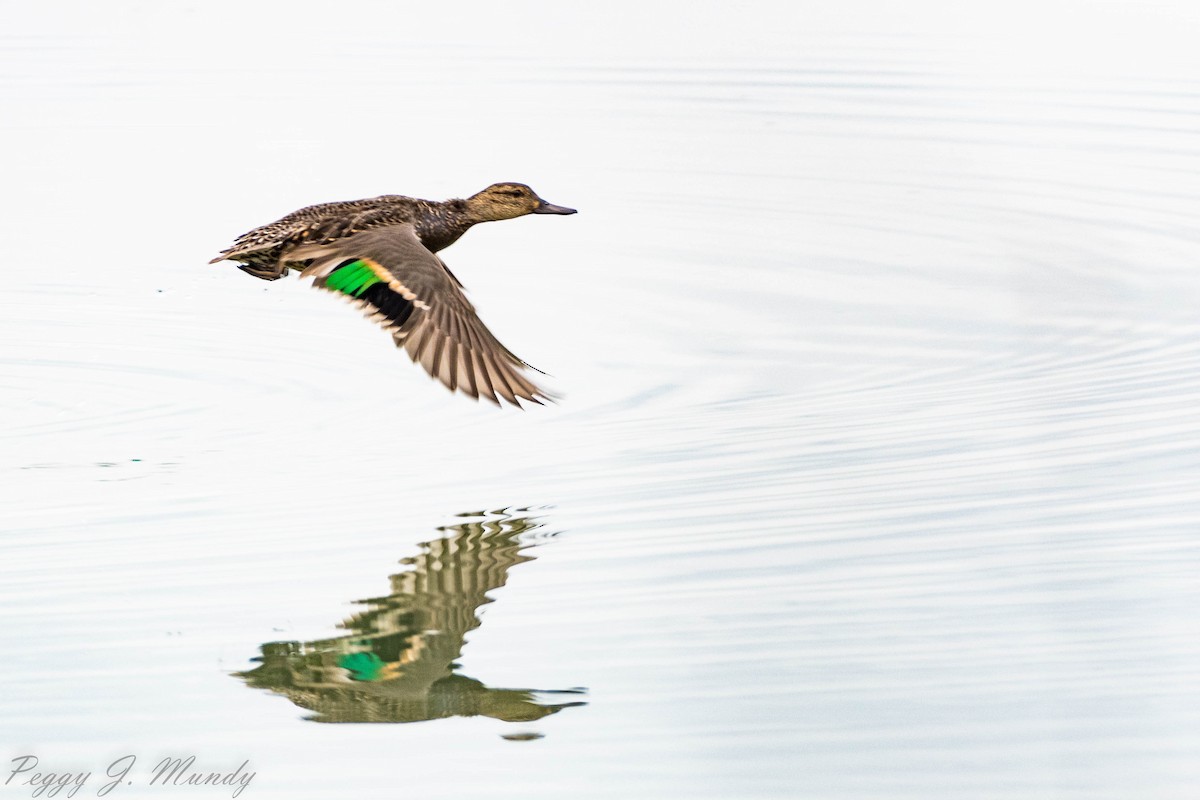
x: 380, y: 254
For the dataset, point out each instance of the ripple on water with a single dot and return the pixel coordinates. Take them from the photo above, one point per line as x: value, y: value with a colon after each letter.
x: 878, y: 453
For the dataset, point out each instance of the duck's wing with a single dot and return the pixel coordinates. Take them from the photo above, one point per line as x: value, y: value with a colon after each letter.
x: 407, y: 289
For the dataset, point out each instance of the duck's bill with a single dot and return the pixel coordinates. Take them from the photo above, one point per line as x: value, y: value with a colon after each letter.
x: 550, y: 208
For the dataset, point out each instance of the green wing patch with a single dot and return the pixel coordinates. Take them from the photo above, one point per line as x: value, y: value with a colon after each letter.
x: 355, y: 277
x: 362, y: 666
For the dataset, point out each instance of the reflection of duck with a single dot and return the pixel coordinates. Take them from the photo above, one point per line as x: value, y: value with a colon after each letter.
x: 397, y: 662
x: 380, y: 254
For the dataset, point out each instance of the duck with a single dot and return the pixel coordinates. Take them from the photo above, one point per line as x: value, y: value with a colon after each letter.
x: 380, y: 254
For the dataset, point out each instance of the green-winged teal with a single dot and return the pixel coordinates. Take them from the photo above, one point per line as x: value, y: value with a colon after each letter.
x: 380, y: 254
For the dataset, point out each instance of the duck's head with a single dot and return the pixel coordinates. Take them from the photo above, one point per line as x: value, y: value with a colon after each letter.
x: 509, y: 200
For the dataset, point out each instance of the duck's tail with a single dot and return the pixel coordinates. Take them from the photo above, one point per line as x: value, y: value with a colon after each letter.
x: 267, y: 272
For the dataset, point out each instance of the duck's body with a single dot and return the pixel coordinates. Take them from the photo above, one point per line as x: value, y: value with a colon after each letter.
x: 437, y: 225
x: 380, y: 253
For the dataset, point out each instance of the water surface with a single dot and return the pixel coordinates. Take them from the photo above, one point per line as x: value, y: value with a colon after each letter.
x: 875, y: 470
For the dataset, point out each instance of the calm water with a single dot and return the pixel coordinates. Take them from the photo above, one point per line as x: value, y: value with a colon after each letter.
x: 876, y: 472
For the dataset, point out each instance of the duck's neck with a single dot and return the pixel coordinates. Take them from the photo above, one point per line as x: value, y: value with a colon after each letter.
x: 439, y: 225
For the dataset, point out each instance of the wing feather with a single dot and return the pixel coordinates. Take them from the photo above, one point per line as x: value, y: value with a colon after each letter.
x: 409, y: 291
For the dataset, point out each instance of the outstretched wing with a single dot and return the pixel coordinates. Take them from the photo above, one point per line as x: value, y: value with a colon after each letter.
x: 407, y: 289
